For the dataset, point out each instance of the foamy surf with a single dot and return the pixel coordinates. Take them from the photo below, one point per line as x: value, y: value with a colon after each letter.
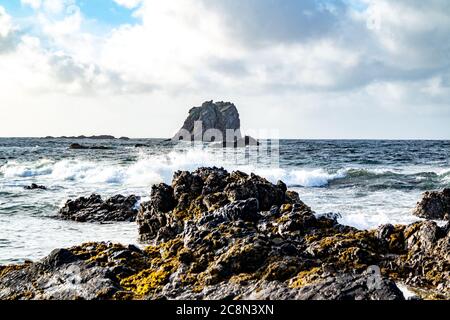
x: 149, y: 169
x: 327, y: 176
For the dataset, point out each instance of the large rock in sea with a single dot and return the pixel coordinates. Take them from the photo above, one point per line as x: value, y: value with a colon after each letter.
x: 95, y: 209
x: 215, y: 234
x: 212, y: 121
x: 434, y: 205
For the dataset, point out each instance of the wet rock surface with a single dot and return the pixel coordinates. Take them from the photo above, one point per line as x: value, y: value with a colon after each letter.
x: 434, y: 205
x: 212, y: 234
x: 95, y: 209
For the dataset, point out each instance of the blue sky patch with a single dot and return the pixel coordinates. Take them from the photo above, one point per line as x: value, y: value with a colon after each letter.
x: 105, y: 12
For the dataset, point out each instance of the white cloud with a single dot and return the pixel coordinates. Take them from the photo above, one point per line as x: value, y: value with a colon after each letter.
x: 391, y: 59
x: 130, y: 4
x: 5, y: 23
x: 35, y: 4
x: 68, y: 25
x: 170, y: 46
x: 56, y: 6
x: 413, y: 34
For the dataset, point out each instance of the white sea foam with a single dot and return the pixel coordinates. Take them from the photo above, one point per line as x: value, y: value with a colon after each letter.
x: 17, y: 169
x: 150, y: 169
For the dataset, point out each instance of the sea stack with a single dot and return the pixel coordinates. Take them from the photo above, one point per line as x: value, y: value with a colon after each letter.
x: 212, y: 122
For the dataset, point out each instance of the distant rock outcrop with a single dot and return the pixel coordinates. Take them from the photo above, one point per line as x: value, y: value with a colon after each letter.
x: 221, y: 116
x: 434, y: 205
x: 98, y: 137
x: 77, y: 146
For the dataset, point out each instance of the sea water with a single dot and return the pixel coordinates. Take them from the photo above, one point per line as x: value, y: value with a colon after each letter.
x: 368, y: 183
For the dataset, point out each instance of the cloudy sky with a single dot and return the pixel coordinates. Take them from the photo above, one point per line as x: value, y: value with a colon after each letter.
x: 310, y: 69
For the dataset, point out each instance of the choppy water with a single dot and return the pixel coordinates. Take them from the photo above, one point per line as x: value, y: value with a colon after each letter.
x: 368, y: 182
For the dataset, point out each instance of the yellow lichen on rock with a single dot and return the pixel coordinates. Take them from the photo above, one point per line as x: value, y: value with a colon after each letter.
x: 145, y: 281
x: 305, y: 278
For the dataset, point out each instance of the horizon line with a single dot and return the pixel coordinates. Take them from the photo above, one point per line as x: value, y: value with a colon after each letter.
x: 263, y: 138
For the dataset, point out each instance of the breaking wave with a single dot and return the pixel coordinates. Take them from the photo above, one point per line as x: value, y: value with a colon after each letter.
x: 150, y: 169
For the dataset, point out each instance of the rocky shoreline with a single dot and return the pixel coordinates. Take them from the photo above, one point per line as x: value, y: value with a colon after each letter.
x: 213, y: 234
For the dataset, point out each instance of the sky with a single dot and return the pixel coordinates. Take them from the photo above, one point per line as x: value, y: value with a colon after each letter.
x: 325, y: 69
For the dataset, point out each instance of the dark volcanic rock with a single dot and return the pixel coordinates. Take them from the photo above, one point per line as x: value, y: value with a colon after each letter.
x: 35, y: 186
x: 91, y: 271
x: 219, y: 115
x: 434, y: 205
x: 338, y: 287
x: 94, y: 209
x: 230, y: 224
x: 220, y: 235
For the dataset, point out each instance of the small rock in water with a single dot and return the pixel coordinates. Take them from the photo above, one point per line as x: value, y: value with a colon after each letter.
x: 35, y: 186
x: 94, y: 209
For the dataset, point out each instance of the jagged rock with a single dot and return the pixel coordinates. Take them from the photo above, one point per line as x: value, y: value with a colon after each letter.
x: 221, y: 116
x: 35, y: 186
x: 152, y: 217
x: 434, y: 205
x: 213, y: 204
x: 242, y: 237
x: 245, y: 210
x: 95, y: 209
x: 206, y: 190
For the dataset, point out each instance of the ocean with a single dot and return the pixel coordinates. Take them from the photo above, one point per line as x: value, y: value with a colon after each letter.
x: 368, y: 182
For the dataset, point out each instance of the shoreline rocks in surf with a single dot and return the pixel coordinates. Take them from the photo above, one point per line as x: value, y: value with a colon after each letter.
x: 434, y: 205
x: 212, y: 234
x: 95, y: 209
